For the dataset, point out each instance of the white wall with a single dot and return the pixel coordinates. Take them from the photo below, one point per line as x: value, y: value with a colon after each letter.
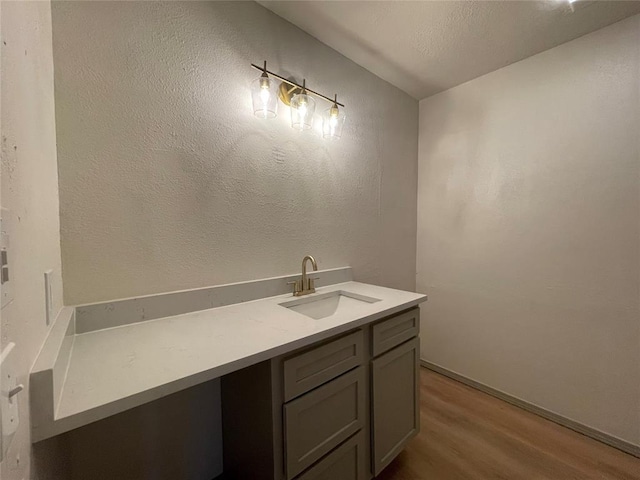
x: 168, y: 182
x: 528, y: 229
x: 30, y: 192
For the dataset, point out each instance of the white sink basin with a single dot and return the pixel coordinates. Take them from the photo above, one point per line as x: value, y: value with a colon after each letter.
x: 324, y: 305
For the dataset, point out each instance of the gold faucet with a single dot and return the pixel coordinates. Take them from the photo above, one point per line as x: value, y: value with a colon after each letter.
x: 305, y: 285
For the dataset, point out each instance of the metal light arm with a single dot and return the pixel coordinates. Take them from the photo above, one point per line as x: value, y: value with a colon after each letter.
x: 296, y: 85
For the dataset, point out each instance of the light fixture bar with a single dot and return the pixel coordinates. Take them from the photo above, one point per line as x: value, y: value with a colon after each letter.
x: 282, y: 79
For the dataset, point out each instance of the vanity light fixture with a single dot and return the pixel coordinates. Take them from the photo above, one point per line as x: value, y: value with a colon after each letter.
x: 300, y: 98
x: 264, y: 92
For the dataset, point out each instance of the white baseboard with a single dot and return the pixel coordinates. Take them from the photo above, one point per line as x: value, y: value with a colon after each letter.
x: 610, y: 440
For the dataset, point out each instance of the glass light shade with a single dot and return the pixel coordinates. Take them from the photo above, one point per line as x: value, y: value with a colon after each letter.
x: 332, y: 122
x: 264, y: 92
x: 302, y: 109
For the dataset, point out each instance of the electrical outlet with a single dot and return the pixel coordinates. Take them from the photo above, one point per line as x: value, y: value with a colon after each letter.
x: 48, y: 296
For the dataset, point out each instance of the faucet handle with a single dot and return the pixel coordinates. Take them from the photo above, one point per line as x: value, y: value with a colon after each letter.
x: 312, y: 285
x: 296, y: 286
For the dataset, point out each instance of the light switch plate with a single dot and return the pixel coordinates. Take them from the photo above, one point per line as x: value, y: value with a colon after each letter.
x: 6, y: 288
x: 48, y: 297
x: 9, y: 418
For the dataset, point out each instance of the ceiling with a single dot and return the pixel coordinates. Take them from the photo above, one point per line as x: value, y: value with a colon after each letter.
x: 424, y: 47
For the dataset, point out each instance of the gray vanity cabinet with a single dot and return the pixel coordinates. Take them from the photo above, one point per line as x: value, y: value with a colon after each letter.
x: 340, y: 409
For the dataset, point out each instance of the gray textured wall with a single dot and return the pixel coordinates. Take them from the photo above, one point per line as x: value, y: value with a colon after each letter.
x: 168, y: 181
x: 30, y: 193
x: 529, y: 229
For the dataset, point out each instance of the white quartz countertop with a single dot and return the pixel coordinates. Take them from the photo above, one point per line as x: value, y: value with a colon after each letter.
x: 114, y: 369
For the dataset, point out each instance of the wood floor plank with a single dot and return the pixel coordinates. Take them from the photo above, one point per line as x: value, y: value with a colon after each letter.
x: 467, y: 434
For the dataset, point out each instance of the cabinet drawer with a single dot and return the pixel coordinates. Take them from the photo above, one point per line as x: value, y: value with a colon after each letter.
x: 319, y: 421
x: 347, y: 462
x: 310, y: 369
x: 395, y: 330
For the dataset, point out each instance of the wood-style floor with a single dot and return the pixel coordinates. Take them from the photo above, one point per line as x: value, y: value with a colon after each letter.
x: 467, y: 434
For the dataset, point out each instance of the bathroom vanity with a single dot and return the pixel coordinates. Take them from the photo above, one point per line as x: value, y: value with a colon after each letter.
x: 339, y: 409
x: 313, y: 387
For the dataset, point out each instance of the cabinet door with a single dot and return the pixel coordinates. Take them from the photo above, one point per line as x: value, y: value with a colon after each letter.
x: 396, y: 405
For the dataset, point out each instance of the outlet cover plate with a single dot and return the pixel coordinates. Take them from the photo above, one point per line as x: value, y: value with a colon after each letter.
x: 9, y: 418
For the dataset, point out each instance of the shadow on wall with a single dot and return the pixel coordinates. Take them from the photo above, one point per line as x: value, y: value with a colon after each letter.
x: 156, y: 441
x: 348, y: 36
x: 455, y: 146
x: 50, y: 459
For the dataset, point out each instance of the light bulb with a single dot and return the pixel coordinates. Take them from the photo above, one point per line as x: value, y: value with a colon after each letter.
x: 333, y: 120
x: 265, y: 95
x: 302, y: 110
x: 264, y: 92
